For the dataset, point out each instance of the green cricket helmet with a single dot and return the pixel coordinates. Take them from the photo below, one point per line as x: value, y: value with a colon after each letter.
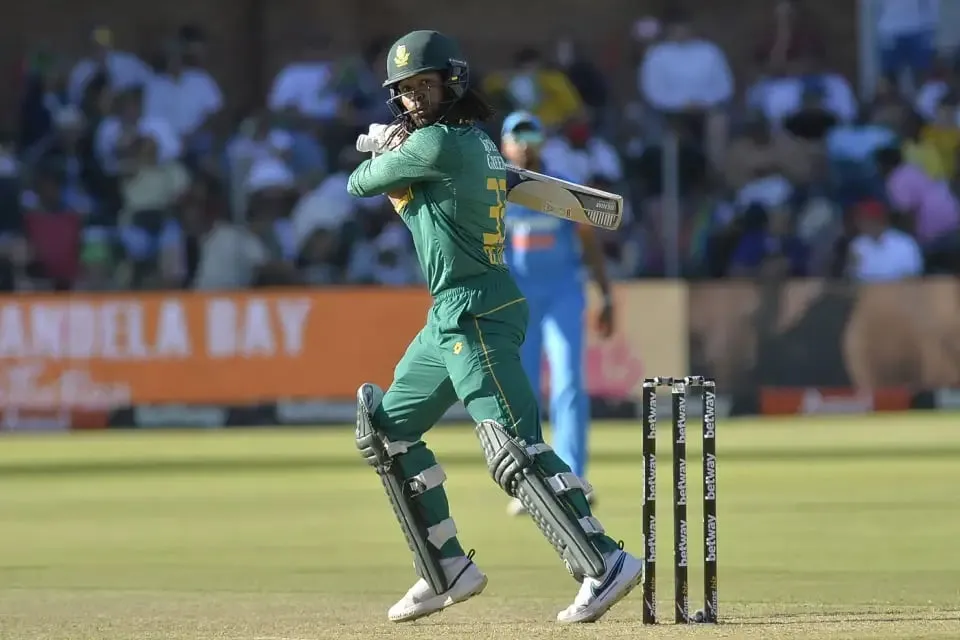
x: 421, y: 52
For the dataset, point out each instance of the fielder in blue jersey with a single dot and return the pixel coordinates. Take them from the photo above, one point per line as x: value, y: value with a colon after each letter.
x: 546, y: 256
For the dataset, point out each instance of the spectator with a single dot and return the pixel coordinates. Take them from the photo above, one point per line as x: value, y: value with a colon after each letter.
x: 122, y: 70
x: 69, y: 149
x: 685, y: 74
x: 918, y: 151
x: 879, y: 252
x: 309, y: 100
x: 199, y: 206
x: 52, y: 231
x: 187, y: 98
x: 767, y: 245
x: 929, y: 207
x: 229, y: 258
x: 942, y: 79
x: 306, y: 88
x: 260, y: 252
x: 271, y: 192
x: 905, y: 30
x: 769, y: 202
x: 116, y: 134
x: 943, y: 133
x: 150, y: 183
x: 534, y: 87
x: 850, y: 150
x: 688, y: 78
x: 580, y: 155
x: 151, y: 187
x: 856, y: 142
x: 808, y: 99
x: 256, y: 140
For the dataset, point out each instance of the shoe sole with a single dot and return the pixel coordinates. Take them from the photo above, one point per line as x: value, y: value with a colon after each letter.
x: 447, y: 602
x: 596, y: 614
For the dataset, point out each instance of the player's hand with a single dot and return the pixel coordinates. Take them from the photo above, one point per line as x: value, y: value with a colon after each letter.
x: 605, y: 323
x: 380, y: 138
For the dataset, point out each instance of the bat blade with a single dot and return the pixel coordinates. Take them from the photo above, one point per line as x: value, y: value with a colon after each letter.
x: 567, y: 200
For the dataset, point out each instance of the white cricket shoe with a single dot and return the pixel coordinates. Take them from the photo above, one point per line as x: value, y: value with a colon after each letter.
x: 596, y: 596
x: 516, y: 508
x: 466, y: 581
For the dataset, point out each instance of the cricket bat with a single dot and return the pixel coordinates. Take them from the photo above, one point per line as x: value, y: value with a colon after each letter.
x: 563, y: 199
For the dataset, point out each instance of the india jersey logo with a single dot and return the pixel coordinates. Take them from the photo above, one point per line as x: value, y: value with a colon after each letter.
x: 402, y: 57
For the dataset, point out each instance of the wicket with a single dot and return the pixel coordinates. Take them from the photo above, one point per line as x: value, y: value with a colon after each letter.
x: 678, y: 388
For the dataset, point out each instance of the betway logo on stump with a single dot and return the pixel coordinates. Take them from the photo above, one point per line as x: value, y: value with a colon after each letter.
x: 710, y: 544
x: 710, y: 477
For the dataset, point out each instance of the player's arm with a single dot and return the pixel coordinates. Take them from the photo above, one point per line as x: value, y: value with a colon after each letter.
x: 418, y: 159
x: 593, y: 256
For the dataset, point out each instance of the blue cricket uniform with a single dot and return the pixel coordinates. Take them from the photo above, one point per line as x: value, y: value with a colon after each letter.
x: 544, y: 255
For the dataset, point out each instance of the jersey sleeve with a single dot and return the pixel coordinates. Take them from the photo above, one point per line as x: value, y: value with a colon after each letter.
x: 420, y: 158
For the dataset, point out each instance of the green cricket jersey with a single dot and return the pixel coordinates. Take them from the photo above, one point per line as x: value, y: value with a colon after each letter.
x: 456, y: 190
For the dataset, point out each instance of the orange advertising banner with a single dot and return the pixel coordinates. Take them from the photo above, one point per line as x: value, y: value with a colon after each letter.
x: 121, y: 350
x: 95, y: 352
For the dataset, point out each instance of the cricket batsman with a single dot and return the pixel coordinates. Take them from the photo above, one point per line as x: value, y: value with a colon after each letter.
x: 447, y: 182
x: 546, y: 255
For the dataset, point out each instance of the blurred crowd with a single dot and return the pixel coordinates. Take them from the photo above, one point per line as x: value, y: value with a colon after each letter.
x: 130, y: 172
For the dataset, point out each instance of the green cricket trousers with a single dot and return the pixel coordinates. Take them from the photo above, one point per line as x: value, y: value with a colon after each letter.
x: 468, y: 350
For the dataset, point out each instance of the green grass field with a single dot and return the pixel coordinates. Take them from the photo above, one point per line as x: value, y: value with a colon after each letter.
x: 839, y: 528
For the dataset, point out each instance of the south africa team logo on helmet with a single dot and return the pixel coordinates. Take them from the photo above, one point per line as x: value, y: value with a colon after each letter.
x: 401, y: 57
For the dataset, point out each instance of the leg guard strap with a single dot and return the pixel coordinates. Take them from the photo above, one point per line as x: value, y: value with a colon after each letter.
x: 513, y: 466
x: 440, y: 533
x: 424, y: 542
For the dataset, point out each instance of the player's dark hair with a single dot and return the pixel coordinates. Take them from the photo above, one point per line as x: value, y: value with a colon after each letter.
x: 470, y: 108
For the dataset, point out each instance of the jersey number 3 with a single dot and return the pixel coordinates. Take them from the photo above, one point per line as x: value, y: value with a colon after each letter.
x: 493, y: 242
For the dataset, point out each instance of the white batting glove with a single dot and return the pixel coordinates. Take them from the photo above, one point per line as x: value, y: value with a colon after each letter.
x: 377, y: 138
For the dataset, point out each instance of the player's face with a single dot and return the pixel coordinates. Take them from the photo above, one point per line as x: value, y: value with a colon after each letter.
x: 421, y: 97
x: 521, y: 150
